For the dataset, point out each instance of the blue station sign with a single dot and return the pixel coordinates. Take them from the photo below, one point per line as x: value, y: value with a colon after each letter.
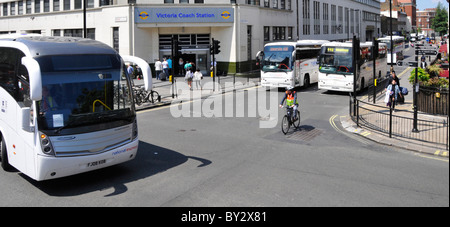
x: 184, y: 15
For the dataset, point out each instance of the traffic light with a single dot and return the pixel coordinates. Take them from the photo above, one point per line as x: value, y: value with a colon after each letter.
x: 216, y: 46
x: 375, y: 48
x: 176, y: 48
x: 211, y: 47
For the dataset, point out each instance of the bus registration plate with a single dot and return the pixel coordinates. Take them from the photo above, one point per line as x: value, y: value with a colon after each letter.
x: 96, y: 163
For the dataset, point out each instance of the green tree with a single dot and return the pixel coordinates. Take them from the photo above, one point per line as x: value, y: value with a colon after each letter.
x: 440, y: 22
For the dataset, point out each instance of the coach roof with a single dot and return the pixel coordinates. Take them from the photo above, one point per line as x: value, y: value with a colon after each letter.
x: 49, y: 45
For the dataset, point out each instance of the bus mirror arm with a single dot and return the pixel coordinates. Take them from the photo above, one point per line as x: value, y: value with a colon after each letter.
x: 34, y: 72
x: 145, y: 67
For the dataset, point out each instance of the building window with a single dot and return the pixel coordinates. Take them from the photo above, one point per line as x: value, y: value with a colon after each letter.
x: 12, y: 8
x: 66, y: 4
x: 279, y: 33
x: 199, y: 1
x: 253, y: 2
x: 73, y: 32
x: 5, y: 9
x: 306, y: 17
x: 340, y: 19
x: 266, y: 33
x: 55, y: 5
x: 290, y: 33
x: 37, y: 6
x: 78, y: 4
x: 316, y: 9
x: 116, y: 38
x: 20, y: 7
x: 90, y: 4
x: 168, y: 1
x: 28, y: 5
x: 325, y: 18
x: 184, y: 1
x: 46, y: 5
x: 267, y: 3
x: 333, y: 19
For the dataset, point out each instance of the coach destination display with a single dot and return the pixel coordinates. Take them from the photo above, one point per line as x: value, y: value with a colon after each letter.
x: 184, y: 15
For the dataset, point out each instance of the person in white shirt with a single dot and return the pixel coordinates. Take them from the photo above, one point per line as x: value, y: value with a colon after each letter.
x: 189, y: 76
x: 158, y: 68
x: 198, y: 77
x: 165, y: 65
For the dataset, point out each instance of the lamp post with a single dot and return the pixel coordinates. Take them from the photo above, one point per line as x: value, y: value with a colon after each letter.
x: 392, y: 45
x: 84, y: 19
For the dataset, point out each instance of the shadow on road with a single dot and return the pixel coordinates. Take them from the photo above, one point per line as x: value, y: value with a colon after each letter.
x: 150, y: 161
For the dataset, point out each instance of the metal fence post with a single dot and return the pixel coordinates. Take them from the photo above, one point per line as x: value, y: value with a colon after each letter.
x: 390, y: 121
x: 357, y: 113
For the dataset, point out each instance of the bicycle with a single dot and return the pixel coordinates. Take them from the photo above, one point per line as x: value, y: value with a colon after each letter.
x: 289, y: 120
x: 141, y: 96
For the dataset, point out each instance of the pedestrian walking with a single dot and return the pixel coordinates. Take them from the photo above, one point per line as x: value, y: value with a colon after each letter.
x: 392, y: 77
x: 130, y: 71
x: 165, y: 66
x: 169, y: 63
x: 189, y: 76
x: 423, y: 65
x: 393, y: 94
x: 187, y: 66
x: 198, y: 77
x: 158, y: 68
x: 181, y: 70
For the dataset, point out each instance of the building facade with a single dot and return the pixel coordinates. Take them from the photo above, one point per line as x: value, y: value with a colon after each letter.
x: 145, y: 28
x: 425, y: 19
x: 405, y: 6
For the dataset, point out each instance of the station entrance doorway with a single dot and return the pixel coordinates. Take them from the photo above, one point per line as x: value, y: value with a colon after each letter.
x: 194, y: 48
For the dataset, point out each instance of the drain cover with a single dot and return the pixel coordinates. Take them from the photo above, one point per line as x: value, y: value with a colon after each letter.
x: 304, y: 134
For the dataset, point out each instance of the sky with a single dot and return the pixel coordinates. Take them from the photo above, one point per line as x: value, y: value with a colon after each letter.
x: 424, y: 4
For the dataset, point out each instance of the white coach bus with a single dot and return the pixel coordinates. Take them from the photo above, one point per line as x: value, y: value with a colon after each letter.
x: 66, y: 106
x: 336, y: 66
x: 399, y: 47
x: 285, y: 64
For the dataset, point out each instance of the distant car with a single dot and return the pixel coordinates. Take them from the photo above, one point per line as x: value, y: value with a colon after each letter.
x: 413, y: 39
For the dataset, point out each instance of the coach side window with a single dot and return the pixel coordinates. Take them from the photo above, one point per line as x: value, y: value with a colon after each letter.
x: 23, y: 83
x: 14, y: 76
x: 8, y: 62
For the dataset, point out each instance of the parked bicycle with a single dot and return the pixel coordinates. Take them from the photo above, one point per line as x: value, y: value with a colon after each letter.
x: 289, y: 120
x: 141, y: 96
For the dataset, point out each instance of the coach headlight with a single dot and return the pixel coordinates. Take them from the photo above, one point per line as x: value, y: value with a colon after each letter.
x: 46, y: 145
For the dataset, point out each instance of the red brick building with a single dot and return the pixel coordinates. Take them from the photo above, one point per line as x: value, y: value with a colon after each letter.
x: 407, y: 6
x: 425, y: 19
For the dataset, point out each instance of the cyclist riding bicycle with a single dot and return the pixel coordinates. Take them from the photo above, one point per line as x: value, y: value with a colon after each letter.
x: 291, y: 100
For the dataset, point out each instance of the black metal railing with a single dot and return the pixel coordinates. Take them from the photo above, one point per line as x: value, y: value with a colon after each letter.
x: 433, y: 131
x: 433, y: 100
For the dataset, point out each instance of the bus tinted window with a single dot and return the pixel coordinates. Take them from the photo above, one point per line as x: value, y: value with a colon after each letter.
x: 78, y: 62
x: 8, y: 62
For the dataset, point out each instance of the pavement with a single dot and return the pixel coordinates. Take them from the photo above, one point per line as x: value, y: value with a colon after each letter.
x: 226, y: 85
x: 402, y: 110
x: 223, y: 84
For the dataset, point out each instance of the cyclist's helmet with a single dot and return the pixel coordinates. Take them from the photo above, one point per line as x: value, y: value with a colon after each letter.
x: 289, y: 88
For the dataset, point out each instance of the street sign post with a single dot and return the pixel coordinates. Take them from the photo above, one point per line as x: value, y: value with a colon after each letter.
x: 426, y: 52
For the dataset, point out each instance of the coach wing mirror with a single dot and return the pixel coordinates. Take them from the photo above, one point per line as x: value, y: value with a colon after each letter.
x: 260, y: 55
x: 145, y: 67
x: 26, y: 119
x: 34, y: 73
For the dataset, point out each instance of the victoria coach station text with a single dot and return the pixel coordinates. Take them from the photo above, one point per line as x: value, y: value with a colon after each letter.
x: 184, y: 15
